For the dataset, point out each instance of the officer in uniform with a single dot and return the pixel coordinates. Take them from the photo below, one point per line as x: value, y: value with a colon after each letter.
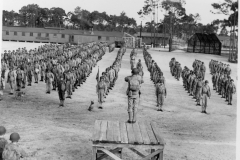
x: 101, y: 90
x: 205, y: 93
x: 134, y: 85
x: 161, y: 92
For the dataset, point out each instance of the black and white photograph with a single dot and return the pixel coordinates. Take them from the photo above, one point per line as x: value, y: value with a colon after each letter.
x: 119, y: 80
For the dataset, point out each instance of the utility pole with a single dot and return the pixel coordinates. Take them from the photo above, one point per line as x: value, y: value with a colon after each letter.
x: 170, y: 33
x: 141, y: 30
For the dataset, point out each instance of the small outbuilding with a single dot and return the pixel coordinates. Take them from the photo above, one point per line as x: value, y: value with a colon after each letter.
x: 204, y: 43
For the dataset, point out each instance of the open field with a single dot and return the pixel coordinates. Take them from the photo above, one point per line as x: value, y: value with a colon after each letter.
x: 65, y: 133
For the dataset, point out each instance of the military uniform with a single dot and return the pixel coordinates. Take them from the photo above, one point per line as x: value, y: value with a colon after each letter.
x: 101, y: 90
x: 205, y: 93
x: 11, y: 80
x: 19, y: 79
x: 61, y: 90
x: 49, y: 79
x: 134, y: 85
x: 231, y: 89
x: 12, y: 151
x: 161, y: 92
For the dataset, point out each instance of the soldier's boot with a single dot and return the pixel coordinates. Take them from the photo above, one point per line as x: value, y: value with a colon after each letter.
x: 60, y: 104
x: 134, y: 117
x: 130, y: 115
x: 41, y: 79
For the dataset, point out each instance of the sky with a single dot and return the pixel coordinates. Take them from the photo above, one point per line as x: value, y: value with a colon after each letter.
x: 115, y: 7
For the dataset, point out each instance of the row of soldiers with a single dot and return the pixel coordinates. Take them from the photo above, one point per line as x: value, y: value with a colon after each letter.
x: 157, y: 77
x: 224, y: 85
x: 73, y: 64
x: 175, y: 68
x: 196, y: 87
x: 219, y: 67
x: 109, y: 77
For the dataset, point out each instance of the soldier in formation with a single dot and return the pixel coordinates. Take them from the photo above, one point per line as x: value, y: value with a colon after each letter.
x: 109, y: 77
x: 51, y: 62
x: 193, y: 82
x: 221, y: 79
x: 157, y: 78
x: 133, y: 56
x: 205, y: 94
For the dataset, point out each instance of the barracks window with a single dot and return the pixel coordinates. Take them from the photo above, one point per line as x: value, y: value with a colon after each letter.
x: 99, y: 37
x: 7, y: 32
x: 31, y: 34
x: 39, y: 34
x: 15, y: 33
x: 63, y: 35
x: 107, y: 38
x: 23, y: 33
x: 47, y: 34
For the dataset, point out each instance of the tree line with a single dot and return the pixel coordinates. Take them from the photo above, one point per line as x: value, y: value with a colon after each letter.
x: 34, y: 16
x: 184, y: 24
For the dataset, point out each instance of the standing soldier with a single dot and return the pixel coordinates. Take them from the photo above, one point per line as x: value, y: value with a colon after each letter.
x: 161, y: 92
x: 134, y: 85
x: 11, y: 80
x: 19, y: 78
x: 231, y: 89
x: 49, y: 78
x: 36, y: 71
x: 24, y: 68
x: 223, y: 89
x: 61, y: 90
x: 101, y: 91
x: 205, y: 93
x: 179, y: 71
x: 203, y: 70
x: 132, y: 56
x: 228, y: 70
x: 68, y: 84
x: 29, y: 74
x: 198, y: 90
x: 54, y: 82
x: 43, y: 70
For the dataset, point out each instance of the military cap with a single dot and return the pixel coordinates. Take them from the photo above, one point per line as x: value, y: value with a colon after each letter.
x: 231, y: 80
x: 206, y: 81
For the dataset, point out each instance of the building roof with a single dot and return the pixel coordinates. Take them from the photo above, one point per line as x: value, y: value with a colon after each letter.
x: 62, y: 31
x: 148, y: 34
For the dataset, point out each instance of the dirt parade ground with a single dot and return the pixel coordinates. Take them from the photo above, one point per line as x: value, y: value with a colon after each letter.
x: 65, y: 133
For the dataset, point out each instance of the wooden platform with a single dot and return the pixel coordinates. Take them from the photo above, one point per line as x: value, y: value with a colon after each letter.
x: 117, y: 135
